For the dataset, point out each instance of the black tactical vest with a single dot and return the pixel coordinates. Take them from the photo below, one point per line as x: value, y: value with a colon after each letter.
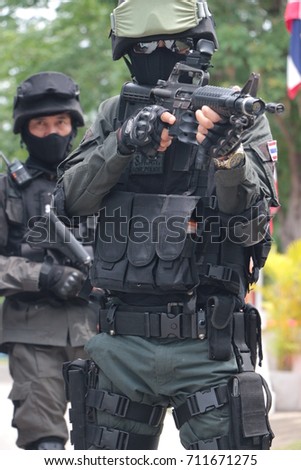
x: 20, y: 205
x: 160, y: 231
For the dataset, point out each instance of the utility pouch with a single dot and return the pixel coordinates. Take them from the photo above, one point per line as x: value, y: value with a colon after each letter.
x: 253, y: 333
x: 250, y: 402
x: 220, y: 326
x: 79, y: 375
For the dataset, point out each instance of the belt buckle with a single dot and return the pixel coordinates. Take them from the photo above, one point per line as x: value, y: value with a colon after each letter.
x: 170, y: 325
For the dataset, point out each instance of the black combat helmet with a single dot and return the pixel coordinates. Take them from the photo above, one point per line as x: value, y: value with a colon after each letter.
x: 44, y: 94
x: 133, y: 20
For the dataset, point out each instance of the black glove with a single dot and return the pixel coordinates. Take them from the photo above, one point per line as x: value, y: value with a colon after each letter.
x: 225, y: 137
x: 63, y: 281
x: 142, y: 131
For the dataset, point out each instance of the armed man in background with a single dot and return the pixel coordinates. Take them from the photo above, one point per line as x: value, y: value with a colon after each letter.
x: 183, y: 232
x: 44, y: 322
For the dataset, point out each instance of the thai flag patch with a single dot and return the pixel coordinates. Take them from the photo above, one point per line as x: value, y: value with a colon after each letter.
x: 273, y: 151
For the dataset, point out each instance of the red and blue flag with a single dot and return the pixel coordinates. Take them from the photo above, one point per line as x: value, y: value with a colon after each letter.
x: 292, y: 18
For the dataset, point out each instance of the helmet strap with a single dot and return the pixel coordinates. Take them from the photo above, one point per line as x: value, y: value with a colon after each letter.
x: 129, y: 65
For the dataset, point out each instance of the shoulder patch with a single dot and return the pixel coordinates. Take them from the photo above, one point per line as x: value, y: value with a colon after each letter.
x: 273, y: 150
x: 268, y: 150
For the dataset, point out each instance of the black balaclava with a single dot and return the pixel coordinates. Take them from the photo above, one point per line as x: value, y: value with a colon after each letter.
x: 149, y: 68
x: 50, y: 150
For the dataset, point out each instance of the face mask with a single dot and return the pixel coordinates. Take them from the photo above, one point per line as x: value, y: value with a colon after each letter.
x: 51, y: 150
x: 149, y: 68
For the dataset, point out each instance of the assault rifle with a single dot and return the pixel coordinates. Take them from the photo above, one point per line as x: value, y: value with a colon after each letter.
x: 51, y: 234
x: 182, y: 99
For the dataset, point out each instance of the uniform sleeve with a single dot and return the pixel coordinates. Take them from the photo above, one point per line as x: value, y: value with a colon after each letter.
x: 94, y: 167
x: 241, y: 188
x: 18, y: 275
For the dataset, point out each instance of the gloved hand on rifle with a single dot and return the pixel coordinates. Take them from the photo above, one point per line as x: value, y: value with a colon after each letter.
x: 220, y: 137
x: 145, y: 131
x: 64, y: 282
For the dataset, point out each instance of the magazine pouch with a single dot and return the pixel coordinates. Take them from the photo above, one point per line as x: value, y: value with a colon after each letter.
x: 250, y: 402
x: 145, y: 248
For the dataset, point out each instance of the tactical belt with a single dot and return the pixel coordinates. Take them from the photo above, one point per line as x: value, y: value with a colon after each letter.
x: 117, y: 320
x: 199, y: 403
x: 114, y: 439
x: 121, y: 406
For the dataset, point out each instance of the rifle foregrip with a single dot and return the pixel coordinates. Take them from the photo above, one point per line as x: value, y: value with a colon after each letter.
x: 226, y: 101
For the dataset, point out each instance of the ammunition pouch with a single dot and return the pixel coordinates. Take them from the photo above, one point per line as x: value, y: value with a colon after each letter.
x: 231, y: 329
x: 220, y: 327
x: 142, y: 244
x: 80, y: 383
x: 250, y: 403
x: 247, y: 338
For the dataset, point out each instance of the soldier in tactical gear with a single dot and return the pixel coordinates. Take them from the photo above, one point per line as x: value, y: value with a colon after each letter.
x: 177, y: 233
x: 44, y: 322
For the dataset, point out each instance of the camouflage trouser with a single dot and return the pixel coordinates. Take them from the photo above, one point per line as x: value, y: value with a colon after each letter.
x: 38, y: 390
x: 160, y: 372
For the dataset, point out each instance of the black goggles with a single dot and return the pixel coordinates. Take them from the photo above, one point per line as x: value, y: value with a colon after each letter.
x: 180, y: 46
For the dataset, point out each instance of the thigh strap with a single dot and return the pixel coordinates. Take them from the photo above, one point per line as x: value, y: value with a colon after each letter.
x: 200, y: 402
x: 115, y: 439
x: 123, y: 407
